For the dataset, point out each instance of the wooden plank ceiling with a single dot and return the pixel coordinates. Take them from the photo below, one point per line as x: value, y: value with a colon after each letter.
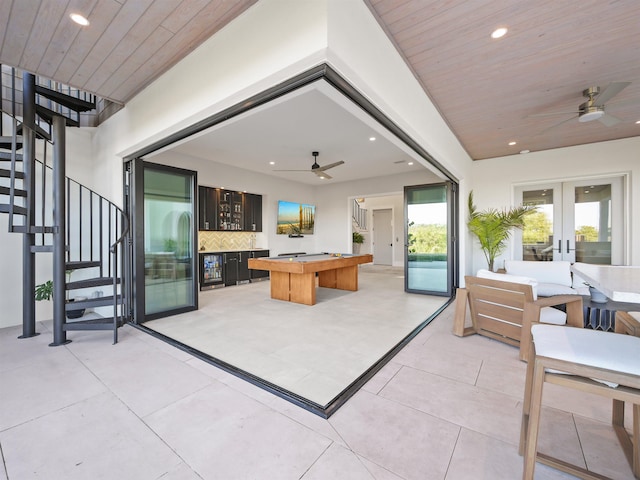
x: 487, y: 90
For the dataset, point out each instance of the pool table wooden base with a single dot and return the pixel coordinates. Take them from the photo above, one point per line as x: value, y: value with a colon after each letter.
x: 295, y: 280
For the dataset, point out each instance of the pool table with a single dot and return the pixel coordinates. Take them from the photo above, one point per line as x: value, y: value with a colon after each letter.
x: 293, y: 278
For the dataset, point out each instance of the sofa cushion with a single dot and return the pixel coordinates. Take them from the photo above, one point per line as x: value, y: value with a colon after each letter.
x: 551, y: 289
x: 552, y: 316
x: 544, y: 272
x: 505, y: 277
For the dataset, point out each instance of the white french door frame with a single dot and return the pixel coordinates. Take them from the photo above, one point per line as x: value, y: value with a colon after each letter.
x: 564, y: 215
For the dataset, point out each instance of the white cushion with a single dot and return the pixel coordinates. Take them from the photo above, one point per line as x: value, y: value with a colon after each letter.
x: 635, y: 315
x: 551, y: 289
x: 611, y: 351
x: 544, y: 272
x: 553, y: 316
x: 504, y: 277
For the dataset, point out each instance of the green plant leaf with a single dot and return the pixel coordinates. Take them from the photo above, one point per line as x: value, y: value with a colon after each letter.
x: 493, y: 227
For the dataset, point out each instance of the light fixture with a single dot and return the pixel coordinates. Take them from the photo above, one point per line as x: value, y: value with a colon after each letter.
x: 524, y: 151
x: 272, y: 163
x: 590, y: 113
x: 372, y: 139
x: 638, y: 122
x: 499, y: 32
x: 410, y: 163
x: 512, y: 143
x: 79, y: 19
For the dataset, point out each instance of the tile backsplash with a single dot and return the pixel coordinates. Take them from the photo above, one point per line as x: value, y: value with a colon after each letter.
x: 213, y: 241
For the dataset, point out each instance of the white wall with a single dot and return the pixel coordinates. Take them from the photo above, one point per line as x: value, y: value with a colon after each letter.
x: 333, y: 202
x: 494, y: 181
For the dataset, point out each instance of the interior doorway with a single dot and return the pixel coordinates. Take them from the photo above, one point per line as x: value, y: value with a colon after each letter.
x: 383, y: 236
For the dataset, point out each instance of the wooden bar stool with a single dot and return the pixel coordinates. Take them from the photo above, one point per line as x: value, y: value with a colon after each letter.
x: 603, y: 363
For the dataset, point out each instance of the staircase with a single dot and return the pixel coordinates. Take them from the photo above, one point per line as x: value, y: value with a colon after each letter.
x: 85, y: 232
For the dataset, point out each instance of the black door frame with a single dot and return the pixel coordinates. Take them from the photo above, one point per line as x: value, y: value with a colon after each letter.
x: 134, y: 207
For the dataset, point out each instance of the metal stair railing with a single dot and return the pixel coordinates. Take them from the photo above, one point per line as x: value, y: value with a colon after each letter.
x: 359, y: 215
x: 96, y: 234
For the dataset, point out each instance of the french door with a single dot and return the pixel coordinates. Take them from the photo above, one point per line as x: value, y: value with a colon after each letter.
x: 578, y: 221
x: 429, y: 233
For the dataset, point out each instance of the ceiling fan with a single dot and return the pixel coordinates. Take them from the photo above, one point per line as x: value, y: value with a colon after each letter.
x: 315, y: 168
x: 593, y: 108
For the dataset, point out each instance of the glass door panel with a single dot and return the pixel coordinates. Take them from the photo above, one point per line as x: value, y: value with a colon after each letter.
x: 168, y: 241
x: 427, y: 231
x: 537, y: 234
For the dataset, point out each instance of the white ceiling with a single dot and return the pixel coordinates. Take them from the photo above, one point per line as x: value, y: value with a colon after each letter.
x: 485, y: 89
x: 286, y: 131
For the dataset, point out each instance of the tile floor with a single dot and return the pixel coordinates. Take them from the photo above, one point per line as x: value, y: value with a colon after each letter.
x: 313, y: 351
x: 443, y: 408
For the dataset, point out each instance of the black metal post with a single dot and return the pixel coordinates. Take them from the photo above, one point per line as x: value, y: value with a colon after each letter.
x: 59, y: 235
x: 28, y: 237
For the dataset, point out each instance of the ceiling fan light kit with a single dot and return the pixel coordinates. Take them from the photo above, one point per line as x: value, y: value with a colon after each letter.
x: 590, y: 113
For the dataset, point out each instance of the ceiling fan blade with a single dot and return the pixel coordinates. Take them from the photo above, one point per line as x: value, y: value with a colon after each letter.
x: 609, y: 120
x: 331, y: 165
x: 626, y: 103
x: 557, y: 124
x: 552, y: 113
x: 609, y: 91
x: 322, y: 174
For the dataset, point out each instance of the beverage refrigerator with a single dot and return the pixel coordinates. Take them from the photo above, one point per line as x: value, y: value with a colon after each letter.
x: 211, y: 270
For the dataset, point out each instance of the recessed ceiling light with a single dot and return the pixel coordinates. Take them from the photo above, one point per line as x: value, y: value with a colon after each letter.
x: 512, y: 143
x: 638, y: 122
x: 79, y: 19
x: 499, y: 32
x: 372, y: 139
x: 410, y: 163
x: 272, y: 163
x: 524, y: 151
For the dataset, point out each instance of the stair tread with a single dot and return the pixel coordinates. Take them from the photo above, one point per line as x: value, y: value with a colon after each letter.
x: 75, y: 104
x: 91, y: 282
x: 9, y: 139
x: 5, y: 208
x: 35, y: 229
x: 91, y: 302
x: 105, y: 323
x: 7, y: 173
x: 7, y: 156
x: 17, y: 192
x: 47, y: 114
x: 77, y: 264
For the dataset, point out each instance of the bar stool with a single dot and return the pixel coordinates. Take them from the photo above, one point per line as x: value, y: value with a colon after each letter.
x: 603, y: 363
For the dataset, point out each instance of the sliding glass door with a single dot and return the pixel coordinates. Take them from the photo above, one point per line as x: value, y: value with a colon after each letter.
x: 430, y: 252
x: 163, y: 208
x: 578, y: 221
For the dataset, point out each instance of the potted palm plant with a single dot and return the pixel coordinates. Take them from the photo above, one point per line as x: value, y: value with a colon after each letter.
x: 493, y: 227
x: 358, y: 240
